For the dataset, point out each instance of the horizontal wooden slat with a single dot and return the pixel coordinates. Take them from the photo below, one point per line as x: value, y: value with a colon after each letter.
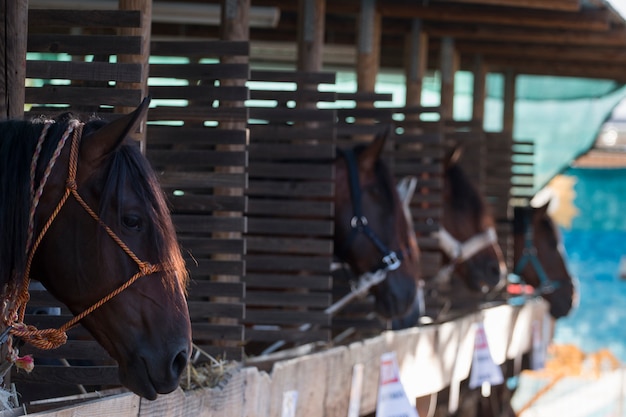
x: 208, y: 331
x: 204, y: 180
x: 72, y: 349
x: 293, y: 76
x: 290, y: 227
x: 199, y: 310
x: 274, y: 280
x: 292, y: 263
x: 197, y: 113
x: 84, y: 71
x: 204, y: 288
x: 199, y: 48
x: 289, y: 188
x: 84, y: 18
x: 196, y: 158
x: 208, y: 224
x: 204, y: 267
x: 292, y: 151
x: 200, y: 71
x: 262, y: 133
x: 290, y: 208
x: 63, y: 375
x: 287, y: 317
x: 288, y: 335
x: 288, y: 299
x: 203, y: 203
x: 82, y: 96
x: 161, y: 135
x: 199, y: 93
x: 284, y: 115
x: 291, y: 170
x: 84, y: 44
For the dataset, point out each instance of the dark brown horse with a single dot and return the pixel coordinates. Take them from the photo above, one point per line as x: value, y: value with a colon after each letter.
x: 540, y: 259
x: 371, y: 231
x: 467, y: 234
x: 82, y: 212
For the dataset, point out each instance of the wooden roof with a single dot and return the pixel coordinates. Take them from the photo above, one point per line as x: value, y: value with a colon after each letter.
x: 585, y: 38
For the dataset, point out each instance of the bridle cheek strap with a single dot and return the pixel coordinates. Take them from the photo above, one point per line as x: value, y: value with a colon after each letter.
x: 53, y: 338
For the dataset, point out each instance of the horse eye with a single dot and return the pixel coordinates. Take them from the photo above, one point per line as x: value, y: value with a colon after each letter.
x: 132, y: 222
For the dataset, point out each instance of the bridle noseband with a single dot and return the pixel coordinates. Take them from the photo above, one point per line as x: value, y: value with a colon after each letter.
x: 53, y: 338
x: 390, y: 260
x: 459, y: 252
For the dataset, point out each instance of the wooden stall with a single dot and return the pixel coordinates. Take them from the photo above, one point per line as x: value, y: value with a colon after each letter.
x: 244, y: 155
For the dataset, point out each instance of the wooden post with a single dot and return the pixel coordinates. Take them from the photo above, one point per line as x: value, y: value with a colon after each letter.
x: 449, y: 65
x: 509, y: 102
x: 416, y: 62
x: 478, y: 98
x: 145, y: 6
x: 13, y: 35
x: 368, y: 47
x: 311, y: 22
x: 235, y: 17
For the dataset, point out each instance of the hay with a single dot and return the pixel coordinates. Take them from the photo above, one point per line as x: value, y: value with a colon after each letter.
x: 205, y: 371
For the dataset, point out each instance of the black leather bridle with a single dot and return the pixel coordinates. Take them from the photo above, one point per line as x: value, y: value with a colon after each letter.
x: 390, y: 260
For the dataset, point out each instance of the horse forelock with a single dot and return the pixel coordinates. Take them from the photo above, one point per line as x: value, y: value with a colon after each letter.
x: 128, y: 164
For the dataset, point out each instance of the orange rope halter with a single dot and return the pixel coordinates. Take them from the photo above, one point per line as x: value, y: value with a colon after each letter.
x: 53, y: 338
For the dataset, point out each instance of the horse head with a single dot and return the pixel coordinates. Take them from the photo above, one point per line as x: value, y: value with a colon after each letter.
x: 467, y: 236
x: 539, y: 258
x: 122, y: 229
x: 371, y: 230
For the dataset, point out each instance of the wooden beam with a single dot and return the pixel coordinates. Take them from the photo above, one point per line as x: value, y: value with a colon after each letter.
x: 368, y: 46
x: 612, y: 37
x: 479, y: 93
x: 142, y: 59
x: 545, y: 52
x: 416, y: 62
x: 311, y: 18
x: 508, y: 112
x: 559, y: 68
x: 449, y: 61
x: 561, y: 5
x: 13, y: 35
x: 592, y: 20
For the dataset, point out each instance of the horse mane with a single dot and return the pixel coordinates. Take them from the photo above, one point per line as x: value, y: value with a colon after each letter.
x: 18, y: 140
x: 464, y: 195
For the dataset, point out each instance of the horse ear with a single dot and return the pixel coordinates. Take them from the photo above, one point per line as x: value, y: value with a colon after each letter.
x: 369, y: 156
x: 543, y: 210
x: 453, y: 156
x: 110, y: 136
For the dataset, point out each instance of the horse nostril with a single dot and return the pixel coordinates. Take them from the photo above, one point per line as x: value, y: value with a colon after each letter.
x: 179, y: 363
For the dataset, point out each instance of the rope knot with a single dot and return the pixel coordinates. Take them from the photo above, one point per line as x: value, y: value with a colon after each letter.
x: 70, y: 184
x: 43, y: 339
x: 146, y: 268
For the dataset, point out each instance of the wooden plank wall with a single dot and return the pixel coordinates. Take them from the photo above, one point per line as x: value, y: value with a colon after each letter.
x: 197, y: 142
x: 86, y: 83
x: 498, y: 188
x: 290, y: 210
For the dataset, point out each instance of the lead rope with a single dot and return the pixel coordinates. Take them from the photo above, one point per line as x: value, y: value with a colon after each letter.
x: 53, y: 338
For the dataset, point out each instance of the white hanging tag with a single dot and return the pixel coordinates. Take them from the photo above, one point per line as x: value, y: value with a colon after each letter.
x: 484, y: 369
x: 392, y: 398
